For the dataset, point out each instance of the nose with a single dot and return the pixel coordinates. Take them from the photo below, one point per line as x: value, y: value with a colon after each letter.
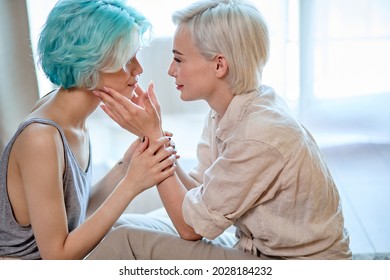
x: 136, y: 67
x: 172, y: 70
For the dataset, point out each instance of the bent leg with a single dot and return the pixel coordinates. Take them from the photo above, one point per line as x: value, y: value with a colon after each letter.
x: 160, y: 221
x: 132, y: 242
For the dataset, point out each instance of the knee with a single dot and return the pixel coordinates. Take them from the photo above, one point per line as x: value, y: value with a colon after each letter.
x: 115, y: 246
x: 119, y: 233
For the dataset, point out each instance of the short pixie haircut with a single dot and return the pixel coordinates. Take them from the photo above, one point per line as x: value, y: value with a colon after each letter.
x: 83, y: 38
x: 233, y: 28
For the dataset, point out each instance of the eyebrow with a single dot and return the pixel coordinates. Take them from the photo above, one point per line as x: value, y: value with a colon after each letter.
x: 177, y: 52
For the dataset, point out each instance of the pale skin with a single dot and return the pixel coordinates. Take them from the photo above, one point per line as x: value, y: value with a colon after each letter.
x: 36, y: 190
x: 197, y: 79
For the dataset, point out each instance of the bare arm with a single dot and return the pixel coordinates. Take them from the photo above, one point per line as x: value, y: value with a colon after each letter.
x: 104, y: 187
x: 45, y: 199
x: 187, y: 181
x: 172, y: 192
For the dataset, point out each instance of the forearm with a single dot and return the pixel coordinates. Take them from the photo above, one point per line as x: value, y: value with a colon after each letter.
x: 172, y: 193
x: 104, y: 187
x: 81, y: 241
x: 187, y: 181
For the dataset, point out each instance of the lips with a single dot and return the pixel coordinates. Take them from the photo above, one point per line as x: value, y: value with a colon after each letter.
x: 133, y: 85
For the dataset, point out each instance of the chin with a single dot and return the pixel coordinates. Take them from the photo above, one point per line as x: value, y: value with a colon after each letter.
x: 187, y: 98
x: 184, y: 98
x: 128, y: 94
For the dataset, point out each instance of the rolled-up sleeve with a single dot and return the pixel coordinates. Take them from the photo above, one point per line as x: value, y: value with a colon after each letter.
x: 232, y: 185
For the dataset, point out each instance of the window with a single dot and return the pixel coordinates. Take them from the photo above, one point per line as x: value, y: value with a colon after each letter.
x: 344, y: 68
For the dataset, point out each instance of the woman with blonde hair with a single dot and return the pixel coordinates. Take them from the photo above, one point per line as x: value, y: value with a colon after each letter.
x: 258, y: 168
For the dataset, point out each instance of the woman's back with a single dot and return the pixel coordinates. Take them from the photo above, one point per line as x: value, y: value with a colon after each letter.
x: 18, y: 240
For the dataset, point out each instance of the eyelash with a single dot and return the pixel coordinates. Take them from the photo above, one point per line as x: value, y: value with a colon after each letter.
x: 176, y: 59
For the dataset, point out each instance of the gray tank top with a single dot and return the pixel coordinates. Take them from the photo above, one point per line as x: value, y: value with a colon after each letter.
x: 19, y: 241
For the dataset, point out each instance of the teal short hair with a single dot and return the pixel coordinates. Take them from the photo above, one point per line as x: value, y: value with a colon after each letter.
x: 82, y: 38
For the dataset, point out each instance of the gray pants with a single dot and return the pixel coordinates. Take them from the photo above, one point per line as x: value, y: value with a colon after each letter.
x: 146, y: 237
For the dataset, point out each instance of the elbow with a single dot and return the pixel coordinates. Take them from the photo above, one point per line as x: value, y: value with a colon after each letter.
x: 190, y: 236
x: 186, y: 232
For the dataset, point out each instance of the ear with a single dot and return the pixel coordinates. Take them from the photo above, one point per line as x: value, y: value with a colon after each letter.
x: 221, y: 66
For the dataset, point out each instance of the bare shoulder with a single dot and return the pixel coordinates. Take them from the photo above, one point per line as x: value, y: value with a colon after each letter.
x: 40, y: 139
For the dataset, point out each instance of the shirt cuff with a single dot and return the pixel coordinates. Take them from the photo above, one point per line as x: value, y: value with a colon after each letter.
x: 205, y: 221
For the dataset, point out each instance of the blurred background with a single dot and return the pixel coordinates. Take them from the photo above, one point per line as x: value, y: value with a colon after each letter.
x: 329, y: 60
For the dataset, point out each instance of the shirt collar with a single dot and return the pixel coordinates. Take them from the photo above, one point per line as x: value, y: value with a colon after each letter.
x: 234, y: 113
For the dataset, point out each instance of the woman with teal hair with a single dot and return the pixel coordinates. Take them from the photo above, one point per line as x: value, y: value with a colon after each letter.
x: 47, y: 206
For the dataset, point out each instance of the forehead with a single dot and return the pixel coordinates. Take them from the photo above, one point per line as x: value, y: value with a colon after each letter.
x: 182, y: 40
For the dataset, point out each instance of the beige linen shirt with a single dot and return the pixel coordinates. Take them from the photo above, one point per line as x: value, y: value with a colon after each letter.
x: 261, y: 170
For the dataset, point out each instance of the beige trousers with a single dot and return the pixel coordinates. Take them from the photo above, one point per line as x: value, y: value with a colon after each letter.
x: 145, y: 237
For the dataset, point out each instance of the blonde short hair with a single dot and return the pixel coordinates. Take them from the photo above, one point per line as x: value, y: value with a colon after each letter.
x: 233, y: 28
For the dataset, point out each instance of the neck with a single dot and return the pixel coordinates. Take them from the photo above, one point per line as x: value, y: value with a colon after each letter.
x: 220, y: 101
x: 70, y: 107
x: 79, y: 104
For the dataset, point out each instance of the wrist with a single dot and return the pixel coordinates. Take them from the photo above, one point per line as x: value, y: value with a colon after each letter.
x: 155, y: 135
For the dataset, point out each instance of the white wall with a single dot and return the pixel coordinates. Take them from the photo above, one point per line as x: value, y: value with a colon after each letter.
x: 18, y: 85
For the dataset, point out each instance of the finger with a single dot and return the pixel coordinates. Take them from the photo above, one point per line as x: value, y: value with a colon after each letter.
x: 114, y: 115
x: 135, y: 144
x: 143, y: 145
x: 153, y: 96
x: 165, y: 174
x: 160, y: 143
x: 109, y: 112
x: 135, y: 97
x: 149, y: 106
x: 143, y: 98
x: 169, y: 172
x: 137, y: 100
x: 172, y: 144
x: 110, y: 106
x: 163, y: 154
x: 167, y: 133
x: 167, y: 162
x: 116, y: 101
x: 139, y: 91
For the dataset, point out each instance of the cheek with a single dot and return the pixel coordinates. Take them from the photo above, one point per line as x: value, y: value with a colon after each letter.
x: 117, y: 81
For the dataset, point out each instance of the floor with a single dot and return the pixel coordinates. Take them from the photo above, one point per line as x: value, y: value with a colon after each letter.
x: 361, y: 171
x: 360, y: 167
